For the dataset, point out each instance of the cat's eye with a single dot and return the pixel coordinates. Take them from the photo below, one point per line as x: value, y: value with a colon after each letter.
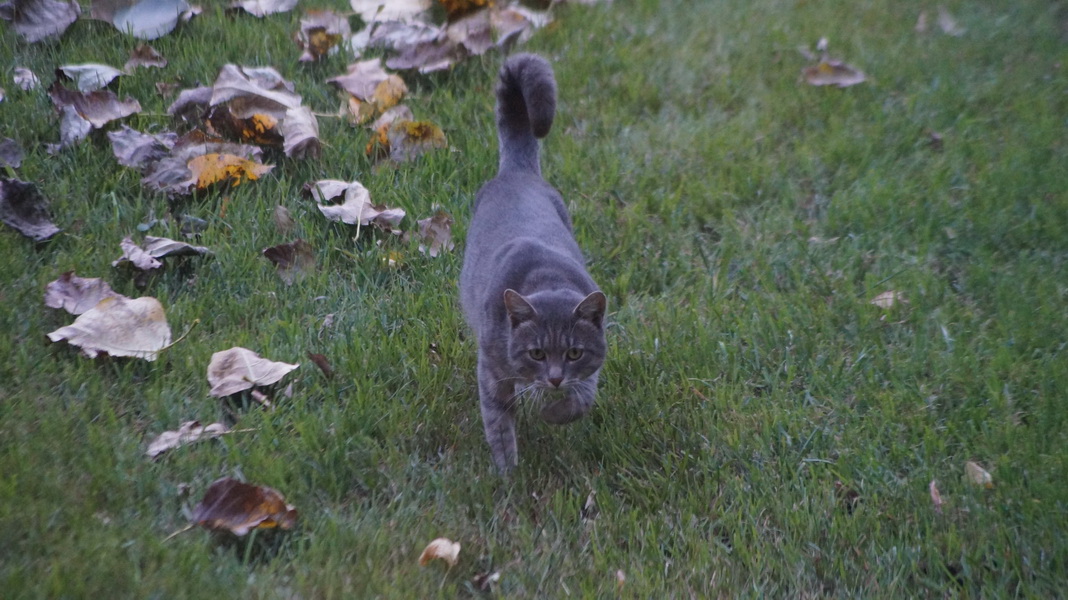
x: 537, y: 353
x: 573, y: 353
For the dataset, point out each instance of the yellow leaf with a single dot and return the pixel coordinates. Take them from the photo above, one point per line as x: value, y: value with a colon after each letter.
x: 209, y: 169
x: 389, y: 92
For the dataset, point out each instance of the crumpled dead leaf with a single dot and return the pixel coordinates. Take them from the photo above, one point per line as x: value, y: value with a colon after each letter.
x: 248, y: 91
x: 23, y: 207
x: 978, y: 475
x: 300, y: 130
x: 143, y: 19
x: 435, y: 234
x: 214, y: 168
x: 293, y: 260
x: 119, y: 326
x: 187, y: 433
x: 82, y: 111
x: 237, y: 507
x: 173, y: 174
x: 145, y: 257
x: 76, y: 294
x: 239, y: 369
x: 888, y: 299
x: 441, y: 548
x: 355, y: 208
x: 321, y: 31
x: 362, y: 78
x: 144, y: 56
x: 260, y: 129
x: 11, y: 153
x: 409, y: 140
x: 36, y: 20
x: 140, y: 150
x: 89, y: 77
x: 26, y: 79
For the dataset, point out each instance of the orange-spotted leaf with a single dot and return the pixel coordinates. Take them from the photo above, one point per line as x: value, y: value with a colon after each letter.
x: 210, y: 169
x: 389, y: 92
x: 320, y: 33
x: 259, y: 128
x: 236, y: 507
x: 410, y: 139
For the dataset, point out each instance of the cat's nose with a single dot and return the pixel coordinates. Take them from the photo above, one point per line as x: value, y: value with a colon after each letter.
x: 556, y: 381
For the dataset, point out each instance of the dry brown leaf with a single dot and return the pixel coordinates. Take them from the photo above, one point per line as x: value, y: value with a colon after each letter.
x: 188, y: 432
x: 888, y: 299
x: 36, y: 20
x: 936, y: 498
x: 79, y: 112
x: 139, y: 150
x: 252, y: 90
x: 361, y: 78
x: 355, y: 207
x: 833, y: 72
x: 239, y: 369
x: 237, y: 507
x: 213, y: 168
x: 320, y: 33
x: 394, y: 35
x: 410, y: 139
x: 441, y: 548
x: 435, y: 233
x: 143, y: 19
x: 387, y: 118
x: 322, y: 362
x: 978, y: 475
x: 76, y: 294
x: 23, y: 207
x: 119, y: 326
x: 89, y: 77
x: 293, y: 260
x: 144, y: 56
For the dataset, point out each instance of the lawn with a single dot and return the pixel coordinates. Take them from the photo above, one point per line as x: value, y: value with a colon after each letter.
x: 763, y: 428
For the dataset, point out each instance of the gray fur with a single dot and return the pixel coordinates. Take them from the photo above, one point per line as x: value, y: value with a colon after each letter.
x: 524, y: 286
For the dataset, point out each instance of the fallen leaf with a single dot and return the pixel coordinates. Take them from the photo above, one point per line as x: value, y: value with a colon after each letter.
x: 133, y: 254
x: 143, y: 19
x: 173, y: 174
x: 11, y: 153
x: 262, y: 8
x: 474, y: 32
x: 948, y: 24
x: 443, y: 548
x: 25, y: 79
x: 23, y: 207
x: 188, y: 432
x: 322, y: 362
x: 320, y: 33
x: 387, y: 118
x: 361, y: 78
x: 81, y: 110
x: 978, y: 475
x: 144, y: 56
x: 389, y: 10
x: 457, y: 8
x: 139, y: 150
x: 389, y: 92
x: 435, y: 233
x: 260, y: 129
x: 888, y: 299
x: 239, y: 369
x: 428, y: 57
x: 252, y: 90
x: 293, y: 260
x: 237, y: 507
x: 191, y: 103
x: 119, y: 326
x: 833, y: 72
x: 410, y: 139
x: 145, y: 257
x: 213, y: 168
x: 300, y: 131
x: 936, y: 498
x: 283, y: 221
x: 356, y: 207
x: 89, y: 77
x: 394, y: 35
x: 36, y: 20
x: 76, y: 295
x: 621, y: 580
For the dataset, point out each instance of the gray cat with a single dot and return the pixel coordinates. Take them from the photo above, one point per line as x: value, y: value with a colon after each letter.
x: 537, y: 314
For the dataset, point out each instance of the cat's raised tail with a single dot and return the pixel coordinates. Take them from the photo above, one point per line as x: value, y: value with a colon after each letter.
x: 526, y: 104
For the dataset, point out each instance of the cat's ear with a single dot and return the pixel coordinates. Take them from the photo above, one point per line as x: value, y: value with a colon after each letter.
x: 592, y: 308
x: 519, y: 310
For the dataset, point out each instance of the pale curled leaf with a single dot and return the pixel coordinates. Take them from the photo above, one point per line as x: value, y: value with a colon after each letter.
x: 119, y: 326
x: 251, y: 90
x: 76, y: 294
x: 889, y: 299
x: 978, y: 475
x: 89, y: 77
x: 135, y: 255
x: 362, y: 78
x: 300, y: 132
x: 239, y: 369
x: 36, y: 20
x: 355, y: 207
x: 139, y: 150
x: 143, y: 19
x: 441, y: 548
x: 187, y: 433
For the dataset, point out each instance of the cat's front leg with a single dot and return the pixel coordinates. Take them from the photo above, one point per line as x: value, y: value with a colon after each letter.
x: 577, y: 401
x: 497, y: 401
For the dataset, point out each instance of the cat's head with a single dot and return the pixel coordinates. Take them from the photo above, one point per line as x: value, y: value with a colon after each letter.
x: 557, y: 336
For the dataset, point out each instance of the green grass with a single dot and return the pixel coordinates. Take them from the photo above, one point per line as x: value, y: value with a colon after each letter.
x: 748, y: 372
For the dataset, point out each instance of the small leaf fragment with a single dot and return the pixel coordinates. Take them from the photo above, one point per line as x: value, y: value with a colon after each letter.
x: 90, y: 77
x: 435, y: 234
x: 237, y: 507
x: 23, y: 207
x: 440, y: 548
x: 293, y: 260
x: 936, y: 498
x: 888, y: 299
x: 833, y: 72
x: 187, y: 433
x: 76, y: 294
x: 978, y: 475
x: 144, y: 56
